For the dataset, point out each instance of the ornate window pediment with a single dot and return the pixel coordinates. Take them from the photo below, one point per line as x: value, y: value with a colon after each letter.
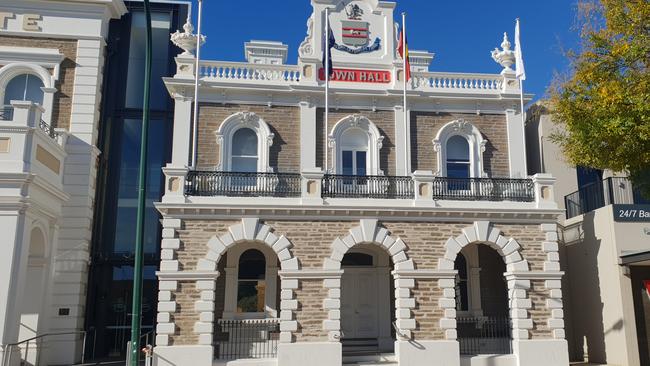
x: 227, y: 131
x: 348, y: 129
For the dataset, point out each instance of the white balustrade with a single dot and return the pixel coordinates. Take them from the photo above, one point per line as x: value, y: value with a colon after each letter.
x: 244, y: 72
x: 431, y: 81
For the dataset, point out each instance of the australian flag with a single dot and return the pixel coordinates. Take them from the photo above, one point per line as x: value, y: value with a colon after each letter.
x: 331, y: 42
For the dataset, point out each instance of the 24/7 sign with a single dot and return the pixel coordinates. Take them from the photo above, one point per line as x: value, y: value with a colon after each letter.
x: 631, y: 213
x: 357, y: 76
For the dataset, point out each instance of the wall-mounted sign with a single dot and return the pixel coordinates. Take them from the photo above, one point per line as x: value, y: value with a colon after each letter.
x: 30, y: 21
x: 357, y: 76
x: 631, y: 213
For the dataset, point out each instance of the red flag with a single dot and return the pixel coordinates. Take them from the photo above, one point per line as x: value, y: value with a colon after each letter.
x: 646, y: 283
x: 403, y: 50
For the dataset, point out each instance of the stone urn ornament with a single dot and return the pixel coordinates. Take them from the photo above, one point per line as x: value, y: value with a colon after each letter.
x: 504, y: 57
x: 187, y: 39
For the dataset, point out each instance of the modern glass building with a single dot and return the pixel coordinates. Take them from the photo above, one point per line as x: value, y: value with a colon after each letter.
x: 108, y: 314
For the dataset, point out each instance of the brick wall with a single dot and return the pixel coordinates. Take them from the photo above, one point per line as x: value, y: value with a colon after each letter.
x: 194, y: 237
x: 539, y: 312
x: 62, y: 104
x: 427, y: 312
x: 284, y: 122
x: 185, y: 315
x: 425, y: 127
x: 310, y: 313
x: 385, y: 122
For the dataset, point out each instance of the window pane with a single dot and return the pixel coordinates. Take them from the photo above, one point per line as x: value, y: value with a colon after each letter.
x: 357, y: 259
x: 244, y: 164
x: 244, y: 143
x: 24, y: 87
x: 250, y: 296
x: 252, y: 265
x: 347, y: 163
x: 361, y: 163
x: 458, y: 149
x: 354, y: 138
x: 458, y: 170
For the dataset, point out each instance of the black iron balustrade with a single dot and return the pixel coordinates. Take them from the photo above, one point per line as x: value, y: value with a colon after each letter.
x: 613, y: 190
x: 241, y: 339
x: 48, y: 129
x: 6, y: 113
x: 350, y: 186
x: 484, y: 189
x: 484, y: 335
x: 233, y: 184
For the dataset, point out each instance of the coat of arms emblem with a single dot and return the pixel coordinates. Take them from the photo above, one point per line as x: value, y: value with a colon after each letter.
x: 355, y: 31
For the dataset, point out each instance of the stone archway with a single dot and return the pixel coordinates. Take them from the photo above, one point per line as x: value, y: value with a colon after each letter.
x: 483, y: 232
x: 368, y: 232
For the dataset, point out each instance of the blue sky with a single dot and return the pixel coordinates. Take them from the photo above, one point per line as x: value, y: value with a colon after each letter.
x: 461, y: 32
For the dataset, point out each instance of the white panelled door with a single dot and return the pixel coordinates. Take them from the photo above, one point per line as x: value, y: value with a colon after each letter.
x: 359, y: 315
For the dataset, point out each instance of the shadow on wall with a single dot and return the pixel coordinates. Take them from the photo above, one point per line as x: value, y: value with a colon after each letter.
x: 585, y: 315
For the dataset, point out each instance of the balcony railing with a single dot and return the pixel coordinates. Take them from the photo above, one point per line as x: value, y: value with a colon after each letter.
x: 240, y: 339
x: 48, y: 129
x: 613, y: 190
x: 347, y: 186
x: 437, y: 81
x: 484, y: 335
x: 247, y: 72
x: 232, y: 184
x: 484, y: 189
x: 6, y: 113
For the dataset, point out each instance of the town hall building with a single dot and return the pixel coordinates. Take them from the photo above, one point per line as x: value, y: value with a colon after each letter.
x: 373, y: 232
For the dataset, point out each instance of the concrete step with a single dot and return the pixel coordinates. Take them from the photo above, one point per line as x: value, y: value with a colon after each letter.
x: 370, y: 359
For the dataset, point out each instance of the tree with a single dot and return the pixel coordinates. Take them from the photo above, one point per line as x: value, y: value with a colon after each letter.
x: 604, y: 103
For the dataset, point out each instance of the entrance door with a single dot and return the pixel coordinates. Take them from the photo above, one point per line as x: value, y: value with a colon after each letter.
x: 359, y: 315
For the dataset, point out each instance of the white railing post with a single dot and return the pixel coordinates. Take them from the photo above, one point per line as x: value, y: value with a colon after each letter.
x: 423, y: 181
x: 544, y: 194
x: 312, y: 186
x: 175, y: 181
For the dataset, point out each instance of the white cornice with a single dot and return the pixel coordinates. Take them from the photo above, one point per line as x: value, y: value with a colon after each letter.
x: 310, y: 274
x: 425, y: 274
x: 534, y: 275
x: 189, y: 275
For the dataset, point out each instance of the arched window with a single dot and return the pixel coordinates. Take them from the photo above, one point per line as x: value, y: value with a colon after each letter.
x: 354, y: 152
x: 458, y: 163
x: 462, y: 289
x: 244, y: 151
x: 24, y: 87
x: 251, y: 282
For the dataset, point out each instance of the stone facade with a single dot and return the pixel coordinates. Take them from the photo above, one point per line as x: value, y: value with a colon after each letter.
x: 62, y: 104
x: 425, y: 126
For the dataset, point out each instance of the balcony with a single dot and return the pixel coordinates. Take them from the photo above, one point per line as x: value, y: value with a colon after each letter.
x: 610, y: 191
x: 293, y: 185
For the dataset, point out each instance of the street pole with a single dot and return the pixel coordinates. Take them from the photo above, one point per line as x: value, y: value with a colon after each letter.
x: 136, y: 311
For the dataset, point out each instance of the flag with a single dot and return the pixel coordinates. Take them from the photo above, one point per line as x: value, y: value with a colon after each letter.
x: 520, y: 70
x: 327, y: 52
x: 403, y: 50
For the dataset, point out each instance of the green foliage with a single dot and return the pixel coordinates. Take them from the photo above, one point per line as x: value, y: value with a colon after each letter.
x: 604, y: 105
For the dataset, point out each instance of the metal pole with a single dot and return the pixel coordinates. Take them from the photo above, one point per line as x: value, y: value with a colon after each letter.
x: 327, y: 86
x: 142, y: 184
x: 406, y: 121
x: 197, y: 71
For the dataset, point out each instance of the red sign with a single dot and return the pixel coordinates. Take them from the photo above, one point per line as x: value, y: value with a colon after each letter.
x: 357, y: 76
x: 647, y: 286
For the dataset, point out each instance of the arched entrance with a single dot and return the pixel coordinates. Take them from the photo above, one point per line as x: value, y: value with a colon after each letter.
x: 366, y: 312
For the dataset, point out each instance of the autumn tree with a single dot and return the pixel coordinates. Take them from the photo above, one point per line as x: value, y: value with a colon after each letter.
x: 603, y: 104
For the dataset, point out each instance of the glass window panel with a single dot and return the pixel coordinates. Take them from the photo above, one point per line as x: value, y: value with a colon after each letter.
x: 161, y: 24
x: 244, y: 164
x: 244, y: 142
x: 361, y: 163
x: 347, y: 163
x: 252, y: 265
x: 125, y: 220
x: 458, y: 170
x: 357, y: 259
x: 24, y: 87
x: 250, y: 296
x: 458, y: 149
x: 462, y: 294
x: 354, y: 138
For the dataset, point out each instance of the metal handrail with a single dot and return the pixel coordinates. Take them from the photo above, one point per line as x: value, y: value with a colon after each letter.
x: 399, y: 332
x: 8, y: 348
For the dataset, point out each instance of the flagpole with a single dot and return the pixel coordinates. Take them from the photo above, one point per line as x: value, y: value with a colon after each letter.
x: 195, y: 121
x: 327, y: 86
x: 405, y: 77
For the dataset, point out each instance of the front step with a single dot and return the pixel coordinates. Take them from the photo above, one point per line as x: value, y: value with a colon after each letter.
x: 370, y: 359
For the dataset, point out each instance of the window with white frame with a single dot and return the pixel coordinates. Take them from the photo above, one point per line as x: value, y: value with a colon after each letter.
x: 460, y: 146
x: 24, y: 87
x: 244, y: 156
x: 355, y: 144
x: 244, y: 141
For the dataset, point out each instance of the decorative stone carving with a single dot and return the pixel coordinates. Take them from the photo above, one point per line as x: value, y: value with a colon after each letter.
x: 186, y: 40
x: 477, y: 144
x: 306, y: 48
x: 505, y: 57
